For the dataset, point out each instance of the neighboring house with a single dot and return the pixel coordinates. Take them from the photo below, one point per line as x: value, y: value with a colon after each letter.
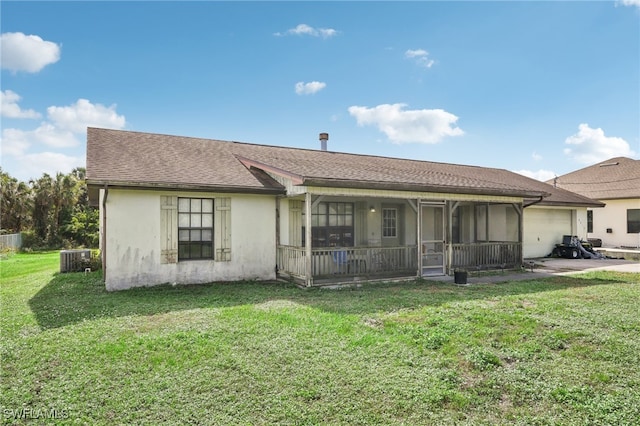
x: 615, y: 182
x: 186, y: 210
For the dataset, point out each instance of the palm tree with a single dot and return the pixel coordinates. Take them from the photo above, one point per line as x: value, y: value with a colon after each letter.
x: 42, y: 203
x: 15, y: 202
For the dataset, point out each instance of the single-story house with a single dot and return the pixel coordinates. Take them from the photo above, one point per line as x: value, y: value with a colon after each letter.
x: 615, y: 182
x: 187, y: 210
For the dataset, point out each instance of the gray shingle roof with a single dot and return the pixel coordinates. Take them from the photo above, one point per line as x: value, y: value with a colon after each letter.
x: 124, y: 158
x: 616, y: 178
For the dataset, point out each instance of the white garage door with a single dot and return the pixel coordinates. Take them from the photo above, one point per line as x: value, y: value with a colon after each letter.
x: 543, y: 229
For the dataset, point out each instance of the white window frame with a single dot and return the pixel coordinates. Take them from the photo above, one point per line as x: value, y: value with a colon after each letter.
x: 196, y: 223
x: 169, y: 229
x: 386, y: 228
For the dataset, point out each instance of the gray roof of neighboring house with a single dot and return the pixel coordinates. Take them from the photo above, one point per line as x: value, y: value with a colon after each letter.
x: 134, y: 159
x: 616, y: 178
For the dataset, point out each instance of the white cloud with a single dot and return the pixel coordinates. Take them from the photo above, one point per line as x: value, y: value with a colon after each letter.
x: 64, y: 129
x: 309, y: 88
x: 77, y: 117
x: 635, y: 3
x: 46, y: 134
x: 415, y: 53
x: 64, y: 126
x: 406, y: 126
x: 304, y: 29
x: 420, y: 56
x: 541, y: 175
x: 10, y: 108
x: 14, y: 142
x: 28, y: 53
x: 34, y: 165
x: 590, y: 146
x: 54, y: 136
x: 535, y: 156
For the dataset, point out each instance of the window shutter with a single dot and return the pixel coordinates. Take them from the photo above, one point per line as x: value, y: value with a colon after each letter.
x: 223, y: 229
x: 295, y: 222
x: 168, y: 229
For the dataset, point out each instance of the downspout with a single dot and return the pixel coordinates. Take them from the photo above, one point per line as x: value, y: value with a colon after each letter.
x: 104, y: 233
x: 524, y: 206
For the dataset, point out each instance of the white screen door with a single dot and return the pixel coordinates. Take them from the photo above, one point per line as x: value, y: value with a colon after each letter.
x: 432, y: 239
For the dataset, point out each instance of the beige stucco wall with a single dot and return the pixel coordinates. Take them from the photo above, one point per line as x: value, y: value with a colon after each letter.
x: 133, y: 241
x: 407, y: 227
x: 545, y: 226
x: 614, y: 216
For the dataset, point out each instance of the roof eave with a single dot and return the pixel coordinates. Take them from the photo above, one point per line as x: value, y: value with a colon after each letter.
x: 594, y: 204
x: 400, y: 186
x: 634, y: 197
x: 96, y: 183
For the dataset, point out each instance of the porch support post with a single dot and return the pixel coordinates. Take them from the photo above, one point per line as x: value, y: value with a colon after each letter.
x: 277, y: 221
x: 419, y: 237
x: 519, y: 209
x: 278, y: 235
x: 307, y: 240
x: 449, y: 237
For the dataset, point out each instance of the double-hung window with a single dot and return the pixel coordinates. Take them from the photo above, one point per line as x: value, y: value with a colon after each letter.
x: 195, y: 228
x: 633, y: 221
x: 389, y: 223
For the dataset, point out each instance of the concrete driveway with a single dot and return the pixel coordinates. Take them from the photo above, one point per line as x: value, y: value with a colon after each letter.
x: 561, y: 266
x: 548, y: 267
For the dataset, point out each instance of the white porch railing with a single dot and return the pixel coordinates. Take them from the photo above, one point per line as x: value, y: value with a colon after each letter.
x: 336, y: 264
x: 487, y: 255
x: 340, y: 262
x: 290, y: 261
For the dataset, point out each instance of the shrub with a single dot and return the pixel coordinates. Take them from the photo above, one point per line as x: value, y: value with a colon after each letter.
x: 31, y: 241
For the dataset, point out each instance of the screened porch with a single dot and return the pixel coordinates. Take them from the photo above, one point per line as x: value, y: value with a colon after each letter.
x: 342, y: 239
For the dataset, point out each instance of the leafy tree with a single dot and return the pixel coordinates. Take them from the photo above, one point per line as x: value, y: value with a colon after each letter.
x: 42, y: 196
x: 83, y: 228
x: 64, y: 196
x: 15, y: 204
x: 54, y: 211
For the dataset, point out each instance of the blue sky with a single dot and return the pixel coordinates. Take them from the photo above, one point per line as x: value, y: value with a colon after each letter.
x: 541, y: 88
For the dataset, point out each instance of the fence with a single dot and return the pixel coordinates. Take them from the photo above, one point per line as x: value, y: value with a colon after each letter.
x: 10, y: 241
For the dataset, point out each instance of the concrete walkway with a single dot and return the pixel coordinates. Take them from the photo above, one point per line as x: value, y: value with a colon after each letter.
x: 548, y: 267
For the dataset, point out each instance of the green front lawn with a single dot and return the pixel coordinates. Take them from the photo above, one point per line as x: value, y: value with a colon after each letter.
x: 561, y: 350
